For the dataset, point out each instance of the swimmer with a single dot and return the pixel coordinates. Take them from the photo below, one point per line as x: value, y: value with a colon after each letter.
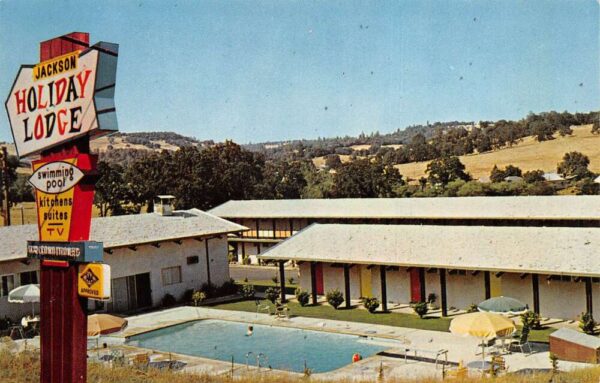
x: 250, y: 330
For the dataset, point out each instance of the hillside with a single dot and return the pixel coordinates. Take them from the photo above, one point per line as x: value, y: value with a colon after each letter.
x: 527, y: 155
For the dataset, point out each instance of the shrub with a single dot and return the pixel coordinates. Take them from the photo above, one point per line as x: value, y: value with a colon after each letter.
x: 291, y: 280
x: 272, y: 293
x: 431, y: 298
x: 168, y: 300
x: 275, y: 280
x: 227, y: 288
x: 334, y: 298
x: 246, y: 261
x: 198, y: 297
x: 472, y: 308
x: 587, y: 323
x: 209, y: 289
x: 246, y: 279
x: 371, y: 304
x: 187, y: 296
x: 302, y: 296
x: 247, y: 291
x: 530, y: 320
x: 420, y: 309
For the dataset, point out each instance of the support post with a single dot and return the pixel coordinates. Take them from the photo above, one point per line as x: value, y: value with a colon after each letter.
x: 444, y: 303
x: 207, y: 262
x: 383, y: 288
x: 486, y: 282
x: 282, y: 280
x: 5, y: 186
x: 347, y: 285
x: 535, y: 284
x: 422, y: 284
x: 588, y: 295
x: 313, y: 282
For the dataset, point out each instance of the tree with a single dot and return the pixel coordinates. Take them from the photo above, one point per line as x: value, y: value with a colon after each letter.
x: 112, y: 193
x: 366, y: 179
x: 596, y: 127
x: 446, y: 169
x: 498, y: 175
x: 9, y: 177
x: 333, y: 161
x: 574, y: 164
x: 534, y: 176
x: 282, y: 180
x: 541, y: 130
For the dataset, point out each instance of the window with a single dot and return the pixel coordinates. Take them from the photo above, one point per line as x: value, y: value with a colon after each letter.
x: 193, y: 260
x: 29, y: 277
x: 8, y: 283
x: 171, y: 275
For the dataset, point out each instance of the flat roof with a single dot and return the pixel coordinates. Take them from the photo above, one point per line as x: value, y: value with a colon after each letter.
x: 529, y: 207
x: 127, y: 230
x: 543, y: 250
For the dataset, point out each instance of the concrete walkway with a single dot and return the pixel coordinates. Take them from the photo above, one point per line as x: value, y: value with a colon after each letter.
x: 424, y: 342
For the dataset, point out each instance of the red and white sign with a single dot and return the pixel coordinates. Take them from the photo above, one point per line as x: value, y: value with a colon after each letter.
x: 54, y: 101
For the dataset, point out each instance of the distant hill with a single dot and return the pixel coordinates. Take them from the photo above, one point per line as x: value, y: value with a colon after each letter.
x: 528, y: 154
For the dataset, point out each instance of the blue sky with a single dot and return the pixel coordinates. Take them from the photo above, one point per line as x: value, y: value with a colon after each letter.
x: 272, y: 70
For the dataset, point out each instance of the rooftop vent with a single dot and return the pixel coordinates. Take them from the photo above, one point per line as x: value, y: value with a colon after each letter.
x: 163, y: 205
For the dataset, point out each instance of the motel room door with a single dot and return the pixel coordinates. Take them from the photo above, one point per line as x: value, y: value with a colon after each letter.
x: 366, y: 291
x: 319, y: 278
x: 415, y: 286
x: 131, y: 293
x: 495, y: 286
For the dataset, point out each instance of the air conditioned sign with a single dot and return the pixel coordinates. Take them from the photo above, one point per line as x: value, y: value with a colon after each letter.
x: 83, y: 251
x: 63, y: 98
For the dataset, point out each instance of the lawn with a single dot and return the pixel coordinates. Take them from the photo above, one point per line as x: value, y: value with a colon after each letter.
x: 363, y: 316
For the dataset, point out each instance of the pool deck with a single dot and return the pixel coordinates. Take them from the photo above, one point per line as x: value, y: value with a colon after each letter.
x: 426, y: 342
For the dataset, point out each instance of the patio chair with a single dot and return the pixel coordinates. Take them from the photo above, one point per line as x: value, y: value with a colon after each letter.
x: 497, y: 366
x: 262, y: 307
x: 522, y: 341
x: 459, y: 372
x: 141, y: 361
x: 282, y: 311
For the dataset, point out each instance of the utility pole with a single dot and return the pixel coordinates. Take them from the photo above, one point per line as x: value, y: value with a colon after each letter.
x: 5, y: 185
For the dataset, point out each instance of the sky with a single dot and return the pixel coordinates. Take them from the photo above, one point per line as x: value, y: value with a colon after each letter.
x: 256, y: 71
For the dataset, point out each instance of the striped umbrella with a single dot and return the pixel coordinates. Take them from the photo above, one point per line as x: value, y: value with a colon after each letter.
x: 503, y: 305
x: 25, y: 294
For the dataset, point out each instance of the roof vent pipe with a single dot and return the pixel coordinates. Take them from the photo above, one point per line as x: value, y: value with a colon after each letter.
x: 163, y: 205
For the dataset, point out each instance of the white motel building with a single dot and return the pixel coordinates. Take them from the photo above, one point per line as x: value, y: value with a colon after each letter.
x: 151, y: 255
x: 544, y: 251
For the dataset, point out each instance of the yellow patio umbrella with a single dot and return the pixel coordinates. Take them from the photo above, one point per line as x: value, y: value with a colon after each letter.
x: 104, y: 324
x: 483, y: 325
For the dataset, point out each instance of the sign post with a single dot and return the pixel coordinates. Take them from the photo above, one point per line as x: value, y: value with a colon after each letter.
x: 54, y: 107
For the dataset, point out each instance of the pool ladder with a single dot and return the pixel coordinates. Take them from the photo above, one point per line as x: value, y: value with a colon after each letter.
x: 258, y: 359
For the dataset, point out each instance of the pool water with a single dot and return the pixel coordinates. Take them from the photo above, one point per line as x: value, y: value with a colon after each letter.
x: 282, y: 348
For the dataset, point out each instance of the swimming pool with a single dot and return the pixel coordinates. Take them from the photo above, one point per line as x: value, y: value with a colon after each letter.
x: 281, y: 348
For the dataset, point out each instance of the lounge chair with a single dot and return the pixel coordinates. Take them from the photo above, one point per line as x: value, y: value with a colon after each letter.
x: 282, y: 311
x: 522, y: 341
x: 497, y: 366
x: 262, y: 307
x: 459, y: 372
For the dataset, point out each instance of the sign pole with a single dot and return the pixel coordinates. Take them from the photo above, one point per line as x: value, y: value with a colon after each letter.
x: 63, y: 322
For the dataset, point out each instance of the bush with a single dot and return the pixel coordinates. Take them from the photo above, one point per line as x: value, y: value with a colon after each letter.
x: 198, y: 297
x: 431, y: 298
x: 334, y: 298
x: 420, y: 309
x: 587, y: 324
x: 209, y: 289
x: 272, y: 293
x: 187, y: 296
x: 247, y: 291
x: 291, y: 280
x: 531, y: 320
x: 472, y: 308
x: 302, y: 296
x: 371, y: 304
x: 275, y: 280
x: 168, y: 301
x: 246, y: 261
x: 227, y: 288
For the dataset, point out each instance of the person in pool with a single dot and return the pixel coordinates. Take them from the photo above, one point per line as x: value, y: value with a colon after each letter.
x: 250, y: 330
